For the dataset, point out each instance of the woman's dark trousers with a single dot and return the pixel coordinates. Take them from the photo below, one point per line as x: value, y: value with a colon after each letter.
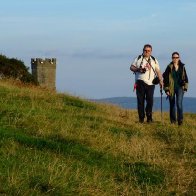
x: 176, y: 100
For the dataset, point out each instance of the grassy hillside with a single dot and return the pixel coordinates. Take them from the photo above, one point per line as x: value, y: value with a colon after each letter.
x: 56, y: 144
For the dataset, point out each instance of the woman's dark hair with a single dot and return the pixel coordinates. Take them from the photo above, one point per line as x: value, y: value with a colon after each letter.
x: 175, y: 53
x: 179, y: 62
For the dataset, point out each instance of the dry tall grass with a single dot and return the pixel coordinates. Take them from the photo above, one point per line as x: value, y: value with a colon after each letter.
x: 61, y: 145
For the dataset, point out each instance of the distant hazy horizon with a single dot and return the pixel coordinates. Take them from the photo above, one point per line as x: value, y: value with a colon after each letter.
x: 189, y: 103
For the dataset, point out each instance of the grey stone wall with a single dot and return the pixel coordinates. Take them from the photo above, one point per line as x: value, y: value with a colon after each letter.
x: 44, y: 72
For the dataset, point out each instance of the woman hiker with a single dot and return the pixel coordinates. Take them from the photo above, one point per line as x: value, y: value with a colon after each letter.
x: 175, y: 84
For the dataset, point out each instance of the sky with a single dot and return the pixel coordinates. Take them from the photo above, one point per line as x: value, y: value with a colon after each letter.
x: 95, y: 41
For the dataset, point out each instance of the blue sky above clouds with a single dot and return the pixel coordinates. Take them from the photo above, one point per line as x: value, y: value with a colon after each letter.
x: 95, y: 41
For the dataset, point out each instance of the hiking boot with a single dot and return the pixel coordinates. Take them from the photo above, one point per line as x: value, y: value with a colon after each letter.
x: 149, y: 119
x: 180, y: 122
x: 141, y: 120
x: 173, y: 122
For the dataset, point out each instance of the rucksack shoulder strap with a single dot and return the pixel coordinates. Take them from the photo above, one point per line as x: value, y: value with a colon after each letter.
x: 153, y: 58
x: 139, y: 57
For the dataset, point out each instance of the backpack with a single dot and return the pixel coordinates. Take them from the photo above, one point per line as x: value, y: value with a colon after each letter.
x: 141, y: 56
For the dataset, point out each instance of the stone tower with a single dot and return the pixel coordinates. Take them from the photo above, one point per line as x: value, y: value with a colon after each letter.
x: 44, y: 72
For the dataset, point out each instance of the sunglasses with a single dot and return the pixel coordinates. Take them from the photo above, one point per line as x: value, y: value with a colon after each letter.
x: 147, y: 50
x: 175, y: 57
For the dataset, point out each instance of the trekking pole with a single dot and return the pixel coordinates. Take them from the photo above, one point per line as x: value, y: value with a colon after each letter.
x: 161, y: 91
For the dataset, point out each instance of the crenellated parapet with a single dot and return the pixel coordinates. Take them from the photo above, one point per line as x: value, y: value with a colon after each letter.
x: 46, y: 61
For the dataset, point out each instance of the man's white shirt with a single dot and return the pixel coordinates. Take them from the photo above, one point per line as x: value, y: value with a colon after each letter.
x: 149, y: 75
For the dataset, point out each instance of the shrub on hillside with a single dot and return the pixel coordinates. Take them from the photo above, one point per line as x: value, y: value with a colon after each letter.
x: 14, y: 68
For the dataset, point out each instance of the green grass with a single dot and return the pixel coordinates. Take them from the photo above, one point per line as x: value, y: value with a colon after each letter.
x: 57, y: 144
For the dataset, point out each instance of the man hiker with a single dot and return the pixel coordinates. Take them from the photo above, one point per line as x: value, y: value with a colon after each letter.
x: 146, y: 69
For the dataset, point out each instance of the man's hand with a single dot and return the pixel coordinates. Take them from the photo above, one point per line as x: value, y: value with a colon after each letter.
x: 133, y: 68
x: 141, y: 70
x: 161, y: 83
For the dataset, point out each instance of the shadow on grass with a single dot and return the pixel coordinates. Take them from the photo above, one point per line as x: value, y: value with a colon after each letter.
x: 143, y: 174
x: 146, y: 174
x: 112, y: 166
x: 42, y: 185
x: 69, y: 148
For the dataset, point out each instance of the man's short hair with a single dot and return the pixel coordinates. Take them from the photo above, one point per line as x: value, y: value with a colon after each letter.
x: 147, y: 46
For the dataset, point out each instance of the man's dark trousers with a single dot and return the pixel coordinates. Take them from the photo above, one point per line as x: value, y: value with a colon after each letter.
x: 144, y: 92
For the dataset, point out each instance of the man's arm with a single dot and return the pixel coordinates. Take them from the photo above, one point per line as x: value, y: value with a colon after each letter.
x: 133, y: 68
x: 159, y: 76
